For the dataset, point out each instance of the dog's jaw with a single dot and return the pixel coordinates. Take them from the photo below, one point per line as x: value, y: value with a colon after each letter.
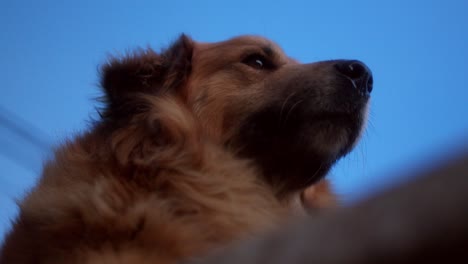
x: 328, y: 146
x: 337, y: 136
x: 299, y: 153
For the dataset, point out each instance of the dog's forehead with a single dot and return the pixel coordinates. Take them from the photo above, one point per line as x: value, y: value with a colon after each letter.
x: 245, y: 42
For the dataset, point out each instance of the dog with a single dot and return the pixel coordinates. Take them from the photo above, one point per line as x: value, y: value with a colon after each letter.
x: 197, y: 146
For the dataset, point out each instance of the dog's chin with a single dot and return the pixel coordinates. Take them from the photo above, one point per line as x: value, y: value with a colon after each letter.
x: 301, y: 152
x: 331, y: 135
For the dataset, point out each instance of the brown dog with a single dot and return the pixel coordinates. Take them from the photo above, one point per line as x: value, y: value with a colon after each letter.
x: 198, y: 146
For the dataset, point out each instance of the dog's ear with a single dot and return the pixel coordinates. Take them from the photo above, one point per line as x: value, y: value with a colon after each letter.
x: 146, y: 71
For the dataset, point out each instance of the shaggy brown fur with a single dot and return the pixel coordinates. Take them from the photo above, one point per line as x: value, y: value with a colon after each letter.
x: 199, y: 145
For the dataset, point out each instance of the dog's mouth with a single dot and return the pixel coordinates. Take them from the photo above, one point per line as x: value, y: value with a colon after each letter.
x: 334, y: 134
x: 333, y: 117
x: 335, y: 121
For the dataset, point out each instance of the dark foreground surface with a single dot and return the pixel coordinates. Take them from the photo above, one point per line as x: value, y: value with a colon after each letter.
x: 423, y: 221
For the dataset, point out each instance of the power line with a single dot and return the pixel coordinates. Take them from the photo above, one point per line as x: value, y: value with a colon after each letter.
x: 20, y: 161
x: 22, y: 128
x: 28, y: 133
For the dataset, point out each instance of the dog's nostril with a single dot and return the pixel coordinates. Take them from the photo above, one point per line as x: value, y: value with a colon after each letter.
x: 352, y: 69
x: 358, y: 73
x: 370, y: 84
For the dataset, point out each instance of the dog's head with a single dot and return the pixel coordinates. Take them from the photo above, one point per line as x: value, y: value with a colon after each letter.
x: 293, y: 120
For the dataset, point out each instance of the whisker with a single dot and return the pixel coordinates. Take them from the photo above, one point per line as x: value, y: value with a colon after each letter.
x: 291, y: 109
x: 282, y: 107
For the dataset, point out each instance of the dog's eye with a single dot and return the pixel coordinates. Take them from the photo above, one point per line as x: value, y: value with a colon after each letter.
x: 257, y: 61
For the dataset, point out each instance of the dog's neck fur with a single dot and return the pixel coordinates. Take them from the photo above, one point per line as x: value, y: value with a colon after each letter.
x: 111, y: 191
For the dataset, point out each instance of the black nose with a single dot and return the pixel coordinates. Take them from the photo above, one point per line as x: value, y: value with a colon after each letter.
x: 358, y: 73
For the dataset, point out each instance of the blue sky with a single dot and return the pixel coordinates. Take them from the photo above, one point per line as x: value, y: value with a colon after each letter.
x: 417, y: 50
